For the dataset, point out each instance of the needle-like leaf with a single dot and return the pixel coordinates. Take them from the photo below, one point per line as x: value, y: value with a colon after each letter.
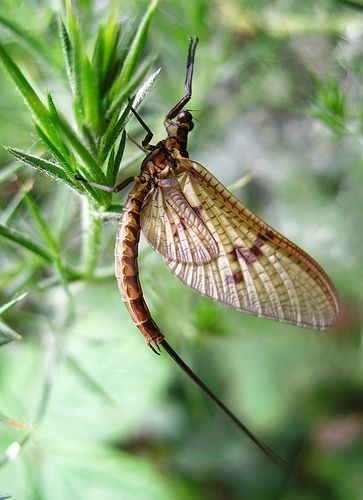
x: 40, y: 112
x: 29, y: 41
x: 9, y: 211
x: 7, y: 334
x: 118, y: 95
x: 42, y: 225
x: 67, y: 51
x: 45, y: 166
x: 136, y: 46
x: 24, y: 242
x: 115, y: 160
x: 11, y: 303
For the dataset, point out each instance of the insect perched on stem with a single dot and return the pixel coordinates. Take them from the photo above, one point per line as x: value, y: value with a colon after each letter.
x: 212, y: 243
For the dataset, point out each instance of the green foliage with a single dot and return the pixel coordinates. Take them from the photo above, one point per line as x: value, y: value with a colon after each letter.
x: 329, y: 105
x: 99, y: 110
x: 103, y: 89
x: 7, y: 334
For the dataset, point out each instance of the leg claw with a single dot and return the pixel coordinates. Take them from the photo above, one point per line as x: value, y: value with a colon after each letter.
x: 156, y: 343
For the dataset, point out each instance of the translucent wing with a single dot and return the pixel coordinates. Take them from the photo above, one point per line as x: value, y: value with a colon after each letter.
x: 172, y: 227
x: 256, y: 269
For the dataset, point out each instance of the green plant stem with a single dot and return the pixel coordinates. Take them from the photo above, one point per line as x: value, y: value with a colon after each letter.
x: 91, y: 230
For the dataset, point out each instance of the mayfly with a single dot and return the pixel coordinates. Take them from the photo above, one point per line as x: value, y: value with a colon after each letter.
x: 212, y: 243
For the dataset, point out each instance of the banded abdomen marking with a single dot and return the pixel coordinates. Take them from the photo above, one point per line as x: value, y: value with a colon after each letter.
x: 126, y: 266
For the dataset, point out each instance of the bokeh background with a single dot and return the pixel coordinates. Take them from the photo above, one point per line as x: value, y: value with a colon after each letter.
x: 277, y: 95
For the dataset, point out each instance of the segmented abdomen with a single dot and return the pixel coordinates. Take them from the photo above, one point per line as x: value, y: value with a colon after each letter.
x: 126, y: 266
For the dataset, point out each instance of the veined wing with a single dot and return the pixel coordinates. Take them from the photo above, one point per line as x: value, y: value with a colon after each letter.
x: 172, y: 227
x: 257, y: 270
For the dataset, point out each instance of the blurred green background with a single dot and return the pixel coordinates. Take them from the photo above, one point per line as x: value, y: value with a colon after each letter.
x: 277, y: 94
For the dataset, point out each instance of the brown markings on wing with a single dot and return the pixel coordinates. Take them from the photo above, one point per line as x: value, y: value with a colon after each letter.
x: 249, y: 255
x: 173, y: 228
x: 266, y: 236
x: 236, y: 277
x: 234, y: 254
x: 198, y: 210
x: 178, y: 225
x: 265, y: 232
x: 280, y: 281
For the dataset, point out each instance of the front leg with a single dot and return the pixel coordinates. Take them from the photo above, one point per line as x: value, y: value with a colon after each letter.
x: 109, y: 189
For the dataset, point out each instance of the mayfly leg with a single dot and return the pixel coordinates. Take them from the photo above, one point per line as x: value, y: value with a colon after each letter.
x: 193, y: 42
x: 149, y: 135
x: 102, y: 187
x: 136, y: 143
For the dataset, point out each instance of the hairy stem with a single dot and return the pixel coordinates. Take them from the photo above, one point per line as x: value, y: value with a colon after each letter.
x: 91, y: 232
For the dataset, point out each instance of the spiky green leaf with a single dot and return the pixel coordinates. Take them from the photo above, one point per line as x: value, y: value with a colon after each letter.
x: 133, y: 54
x: 9, y: 305
x: 22, y: 241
